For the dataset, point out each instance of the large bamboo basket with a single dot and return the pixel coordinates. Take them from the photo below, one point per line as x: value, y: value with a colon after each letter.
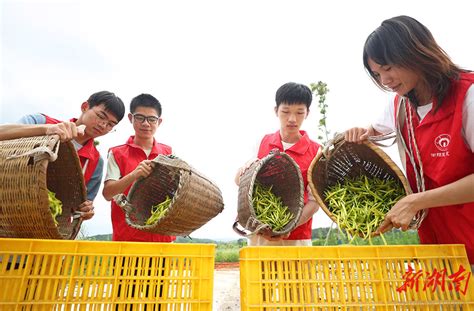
x: 194, y: 198
x: 281, y: 172
x: 341, y: 160
x: 28, y: 169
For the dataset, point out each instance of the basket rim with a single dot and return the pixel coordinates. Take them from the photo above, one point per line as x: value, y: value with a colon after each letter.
x: 42, y: 160
x: 374, y: 148
x: 253, y: 178
x: 180, y: 170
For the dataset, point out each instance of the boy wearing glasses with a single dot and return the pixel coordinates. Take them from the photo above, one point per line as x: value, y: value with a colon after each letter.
x: 100, y: 113
x: 132, y: 160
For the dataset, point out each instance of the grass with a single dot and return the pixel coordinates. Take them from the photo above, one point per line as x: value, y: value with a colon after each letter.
x: 229, y: 252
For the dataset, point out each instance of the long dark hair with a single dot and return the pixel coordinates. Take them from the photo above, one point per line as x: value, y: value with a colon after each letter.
x: 405, y: 42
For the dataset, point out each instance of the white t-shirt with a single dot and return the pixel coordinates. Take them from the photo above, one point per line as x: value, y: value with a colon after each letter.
x: 386, y: 123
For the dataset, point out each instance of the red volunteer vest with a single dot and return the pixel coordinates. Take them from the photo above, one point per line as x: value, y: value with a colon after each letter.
x: 87, y: 152
x: 303, y: 152
x: 445, y: 158
x: 128, y: 156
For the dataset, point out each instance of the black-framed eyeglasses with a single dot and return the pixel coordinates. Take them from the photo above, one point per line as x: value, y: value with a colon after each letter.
x: 141, y: 118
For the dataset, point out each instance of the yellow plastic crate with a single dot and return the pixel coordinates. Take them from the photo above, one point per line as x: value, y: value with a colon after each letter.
x: 86, y: 275
x: 421, y: 277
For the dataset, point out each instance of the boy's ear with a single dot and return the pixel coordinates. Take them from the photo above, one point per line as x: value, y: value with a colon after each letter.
x: 159, y: 121
x: 307, y: 113
x: 130, y: 117
x: 85, y: 106
x: 276, y: 110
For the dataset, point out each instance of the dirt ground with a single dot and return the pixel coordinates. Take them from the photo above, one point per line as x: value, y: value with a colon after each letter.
x: 226, y: 287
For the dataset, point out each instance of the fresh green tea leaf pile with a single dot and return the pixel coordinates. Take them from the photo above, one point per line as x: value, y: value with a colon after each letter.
x: 269, y: 208
x: 158, y: 211
x: 360, y: 204
x: 55, y: 206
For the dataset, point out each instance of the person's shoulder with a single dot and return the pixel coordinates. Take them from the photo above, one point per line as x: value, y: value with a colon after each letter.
x: 118, y: 147
x: 312, y: 143
x: 164, y: 147
x: 269, y: 136
x: 36, y: 118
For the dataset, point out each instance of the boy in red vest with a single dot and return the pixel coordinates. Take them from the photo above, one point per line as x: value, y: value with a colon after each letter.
x: 432, y: 112
x: 292, y: 107
x: 100, y: 113
x: 132, y: 160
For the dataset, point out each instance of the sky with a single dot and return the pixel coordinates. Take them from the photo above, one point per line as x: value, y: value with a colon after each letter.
x: 214, y: 66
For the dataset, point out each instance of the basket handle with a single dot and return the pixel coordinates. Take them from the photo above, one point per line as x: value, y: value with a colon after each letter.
x: 377, y: 139
x: 39, y: 153
x: 334, y: 142
x: 239, y: 231
x: 275, y: 151
x: 123, y: 203
x: 260, y: 228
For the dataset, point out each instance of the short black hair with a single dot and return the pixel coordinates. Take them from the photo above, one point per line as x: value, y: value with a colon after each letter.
x: 110, y: 101
x: 145, y: 100
x: 294, y: 93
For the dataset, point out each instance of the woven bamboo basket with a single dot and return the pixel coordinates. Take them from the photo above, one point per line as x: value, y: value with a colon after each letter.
x: 194, y: 198
x: 341, y: 160
x: 29, y: 167
x: 281, y: 172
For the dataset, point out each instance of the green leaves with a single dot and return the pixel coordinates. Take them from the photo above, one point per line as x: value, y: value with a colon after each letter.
x: 158, y: 211
x: 55, y: 206
x: 320, y: 90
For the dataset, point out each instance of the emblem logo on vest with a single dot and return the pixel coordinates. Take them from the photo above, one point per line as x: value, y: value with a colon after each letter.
x: 442, y: 143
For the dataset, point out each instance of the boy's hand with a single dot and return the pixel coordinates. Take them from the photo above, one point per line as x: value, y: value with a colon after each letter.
x: 358, y: 134
x: 65, y: 130
x: 143, y: 169
x: 86, y: 210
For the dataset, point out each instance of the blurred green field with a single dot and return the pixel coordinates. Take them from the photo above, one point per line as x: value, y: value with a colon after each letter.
x: 229, y: 251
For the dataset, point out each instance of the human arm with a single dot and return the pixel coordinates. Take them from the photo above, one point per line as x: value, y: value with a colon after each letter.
x: 66, y: 130
x: 94, y: 183
x: 359, y: 134
x: 401, y: 214
x: 383, y: 124
x: 310, y: 208
x: 118, y: 184
x: 86, y: 209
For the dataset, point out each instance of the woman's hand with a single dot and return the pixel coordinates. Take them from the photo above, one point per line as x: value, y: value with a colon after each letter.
x: 400, y: 216
x: 358, y: 134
